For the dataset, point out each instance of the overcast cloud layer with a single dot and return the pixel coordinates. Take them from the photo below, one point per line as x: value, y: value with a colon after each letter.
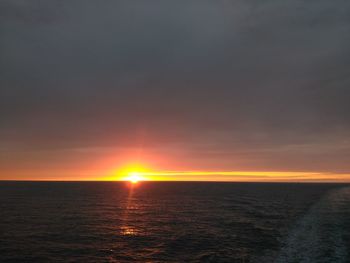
x: 234, y: 84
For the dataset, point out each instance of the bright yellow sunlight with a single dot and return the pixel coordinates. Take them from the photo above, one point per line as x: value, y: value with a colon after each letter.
x: 134, y: 177
x: 132, y: 173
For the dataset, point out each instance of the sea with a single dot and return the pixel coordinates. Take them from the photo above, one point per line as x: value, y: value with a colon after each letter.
x: 174, y: 222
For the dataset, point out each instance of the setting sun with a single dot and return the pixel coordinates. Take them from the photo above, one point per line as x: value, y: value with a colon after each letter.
x: 135, y: 177
x: 132, y: 173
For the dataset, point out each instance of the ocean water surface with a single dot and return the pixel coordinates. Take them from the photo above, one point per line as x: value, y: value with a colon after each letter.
x: 174, y: 222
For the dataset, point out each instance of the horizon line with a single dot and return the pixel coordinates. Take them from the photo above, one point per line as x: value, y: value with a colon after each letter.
x: 178, y: 181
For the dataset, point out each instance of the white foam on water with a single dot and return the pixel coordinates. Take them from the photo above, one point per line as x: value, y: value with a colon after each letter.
x: 318, y: 236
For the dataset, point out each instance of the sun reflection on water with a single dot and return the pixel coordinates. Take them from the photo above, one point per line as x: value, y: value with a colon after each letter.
x: 131, y: 205
x: 129, y: 231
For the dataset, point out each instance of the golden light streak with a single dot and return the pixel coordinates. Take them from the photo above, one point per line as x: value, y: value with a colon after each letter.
x: 258, y: 176
x: 139, y: 173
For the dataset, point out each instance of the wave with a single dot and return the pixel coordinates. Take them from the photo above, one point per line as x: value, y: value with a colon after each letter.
x: 322, y: 234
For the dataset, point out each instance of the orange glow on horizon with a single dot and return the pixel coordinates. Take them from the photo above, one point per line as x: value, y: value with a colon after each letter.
x: 148, y: 173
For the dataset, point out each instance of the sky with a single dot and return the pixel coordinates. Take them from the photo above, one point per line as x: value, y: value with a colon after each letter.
x: 212, y: 86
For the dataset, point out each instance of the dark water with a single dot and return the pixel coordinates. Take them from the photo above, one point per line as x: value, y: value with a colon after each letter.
x: 174, y: 222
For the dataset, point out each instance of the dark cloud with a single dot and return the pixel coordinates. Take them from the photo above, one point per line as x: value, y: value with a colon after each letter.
x: 240, y: 84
